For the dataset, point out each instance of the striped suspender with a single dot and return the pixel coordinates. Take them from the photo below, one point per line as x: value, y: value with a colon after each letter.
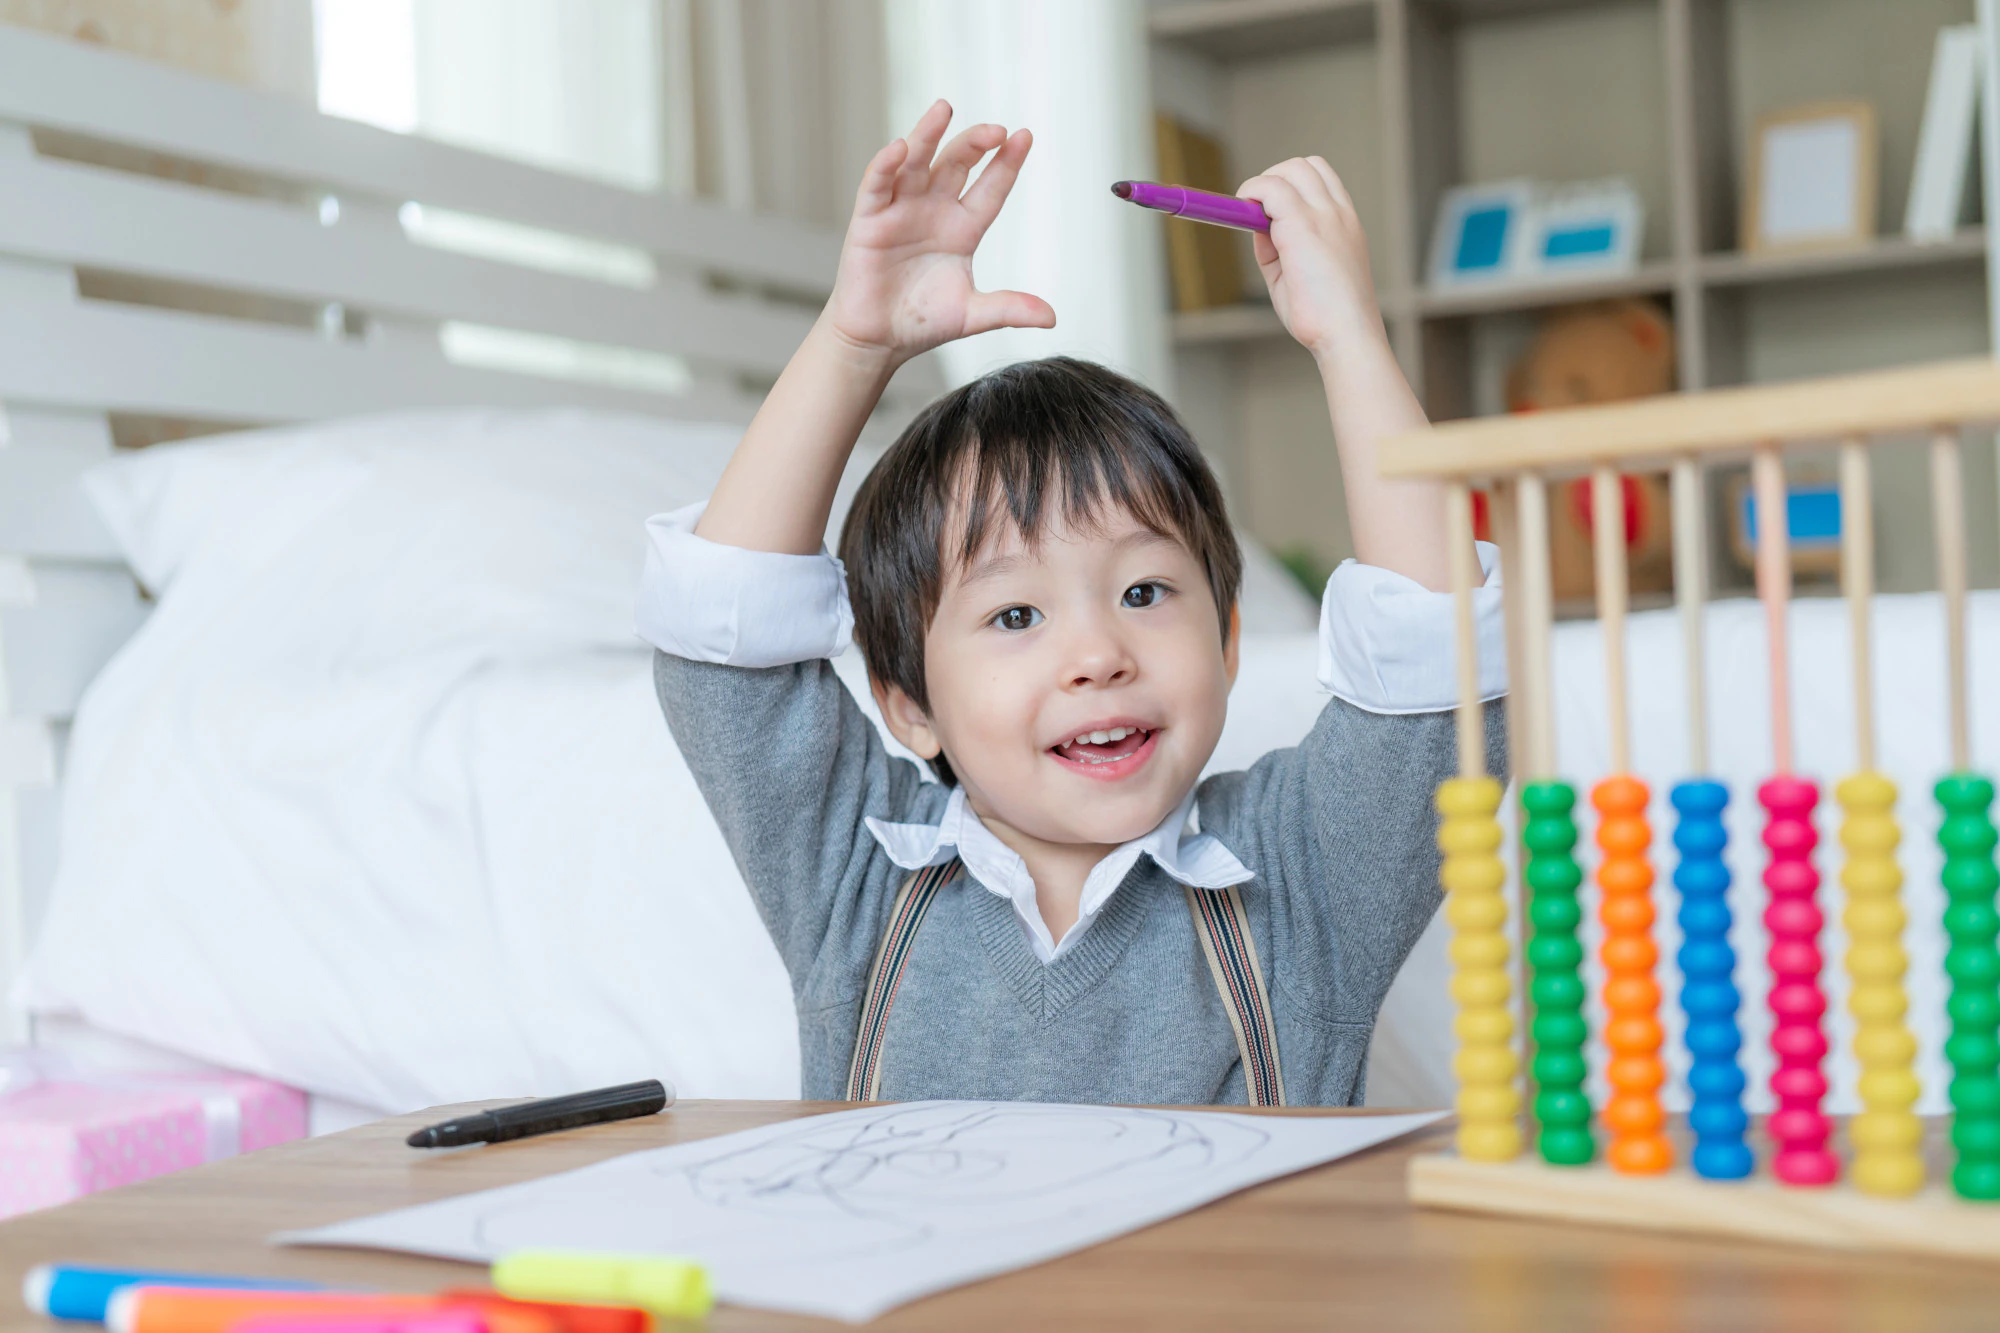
x: 913, y: 900
x: 1232, y: 961
x: 1225, y: 939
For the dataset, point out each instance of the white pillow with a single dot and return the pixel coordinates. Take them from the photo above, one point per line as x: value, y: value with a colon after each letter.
x: 378, y: 801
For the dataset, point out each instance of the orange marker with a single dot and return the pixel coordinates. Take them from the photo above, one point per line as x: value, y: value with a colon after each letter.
x: 569, y: 1318
x: 204, y: 1310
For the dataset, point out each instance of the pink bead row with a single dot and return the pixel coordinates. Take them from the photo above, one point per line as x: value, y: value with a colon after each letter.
x: 1798, y: 1128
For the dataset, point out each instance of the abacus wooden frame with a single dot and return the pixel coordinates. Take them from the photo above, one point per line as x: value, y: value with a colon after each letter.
x: 1918, y: 402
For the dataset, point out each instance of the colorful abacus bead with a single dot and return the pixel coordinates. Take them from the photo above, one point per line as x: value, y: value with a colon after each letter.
x: 1973, y: 963
x: 1472, y: 874
x: 1633, y: 1115
x: 1798, y: 1128
x: 1562, y: 1108
x: 1708, y: 991
x: 1887, y: 1136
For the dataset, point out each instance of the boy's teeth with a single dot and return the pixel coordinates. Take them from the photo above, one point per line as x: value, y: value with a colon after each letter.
x: 1103, y: 737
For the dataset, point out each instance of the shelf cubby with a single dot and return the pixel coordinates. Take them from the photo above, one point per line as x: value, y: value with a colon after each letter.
x: 1415, y: 96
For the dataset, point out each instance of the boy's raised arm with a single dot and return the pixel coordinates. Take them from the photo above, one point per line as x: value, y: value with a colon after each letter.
x: 904, y: 287
x: 1315, y: 262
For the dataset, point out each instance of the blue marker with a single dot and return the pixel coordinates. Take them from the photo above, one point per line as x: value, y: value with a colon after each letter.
x: 79, y: 1291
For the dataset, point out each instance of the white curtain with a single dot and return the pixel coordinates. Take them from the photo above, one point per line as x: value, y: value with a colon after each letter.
x: 1075, y: 73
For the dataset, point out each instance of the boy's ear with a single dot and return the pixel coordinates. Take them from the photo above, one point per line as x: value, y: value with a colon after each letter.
x: 1232, y: 656
x: 907, y: 722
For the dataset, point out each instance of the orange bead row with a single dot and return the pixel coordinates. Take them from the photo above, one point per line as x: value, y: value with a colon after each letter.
x: 1633, y: 1116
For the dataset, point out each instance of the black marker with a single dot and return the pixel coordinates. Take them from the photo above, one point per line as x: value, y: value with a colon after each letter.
x: 545, y: 1117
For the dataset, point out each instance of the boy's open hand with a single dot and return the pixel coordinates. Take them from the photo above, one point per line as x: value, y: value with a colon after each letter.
x: 1315, y: 259
x: 905, y: 281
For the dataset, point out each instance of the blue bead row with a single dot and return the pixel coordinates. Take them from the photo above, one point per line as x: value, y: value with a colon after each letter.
x: 1708, y: 993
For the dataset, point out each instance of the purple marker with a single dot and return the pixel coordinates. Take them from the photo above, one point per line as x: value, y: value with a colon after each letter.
x: 1195, y: 205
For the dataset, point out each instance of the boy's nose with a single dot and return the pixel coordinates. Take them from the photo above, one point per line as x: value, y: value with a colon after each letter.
x: 1100, y: 659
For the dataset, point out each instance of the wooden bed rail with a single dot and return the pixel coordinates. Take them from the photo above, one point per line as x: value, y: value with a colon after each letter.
x: 1654, y: 432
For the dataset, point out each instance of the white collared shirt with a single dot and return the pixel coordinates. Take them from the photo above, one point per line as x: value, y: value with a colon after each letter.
x: 1195, y: 859
x: 1385, y: 645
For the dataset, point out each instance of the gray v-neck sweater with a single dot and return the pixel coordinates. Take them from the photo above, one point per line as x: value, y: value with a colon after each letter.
x: 1340, y: 832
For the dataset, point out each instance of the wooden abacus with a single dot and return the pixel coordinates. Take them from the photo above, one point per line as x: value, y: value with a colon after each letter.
x: 1553, y: 1171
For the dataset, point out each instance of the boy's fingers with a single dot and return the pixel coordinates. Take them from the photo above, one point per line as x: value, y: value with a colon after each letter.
x: 1301, y: 176
x: 990, y: 191
x: 878, y: 182
x: 1279, y: 196
x: 987, y: 311
x: 1267, y: 253
x: 925, y: 135
x: 955, y: 163
x: 1334, y: 185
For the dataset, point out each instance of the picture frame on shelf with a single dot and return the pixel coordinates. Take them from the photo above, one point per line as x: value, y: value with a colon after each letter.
x: 1587, y: 227
x: 1482, y: 233
x: 1812, y: 179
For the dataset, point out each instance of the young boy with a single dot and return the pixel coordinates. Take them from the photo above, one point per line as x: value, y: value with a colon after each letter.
x: 1042, y: 580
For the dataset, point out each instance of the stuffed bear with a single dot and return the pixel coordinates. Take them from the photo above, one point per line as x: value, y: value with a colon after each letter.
x: 1602, y: 352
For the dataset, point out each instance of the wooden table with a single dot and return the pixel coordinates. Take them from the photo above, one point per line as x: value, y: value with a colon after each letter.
x: 1338, y: 1246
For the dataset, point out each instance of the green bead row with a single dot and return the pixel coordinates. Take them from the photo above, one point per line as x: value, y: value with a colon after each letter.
x: 1973, y: 963
x: 1562, y: 1110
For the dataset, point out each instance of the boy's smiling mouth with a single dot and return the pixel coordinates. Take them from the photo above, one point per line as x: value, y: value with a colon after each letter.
x: 1107, y: 751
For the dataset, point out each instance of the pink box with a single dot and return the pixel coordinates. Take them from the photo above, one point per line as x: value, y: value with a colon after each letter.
x: 68, y: 1137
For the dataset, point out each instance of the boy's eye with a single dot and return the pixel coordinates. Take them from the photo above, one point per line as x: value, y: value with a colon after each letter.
x: 1142, y: 595
x: 1018, y: 617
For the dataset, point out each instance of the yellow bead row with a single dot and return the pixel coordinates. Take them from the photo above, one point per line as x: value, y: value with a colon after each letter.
x: 1886, y: 1134
x: 1488, y: 1100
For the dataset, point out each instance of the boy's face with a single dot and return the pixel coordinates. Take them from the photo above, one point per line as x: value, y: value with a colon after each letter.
x: 1077, y: 687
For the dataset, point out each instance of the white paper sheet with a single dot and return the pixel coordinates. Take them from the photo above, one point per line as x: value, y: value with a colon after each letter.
x: 853, y: 1213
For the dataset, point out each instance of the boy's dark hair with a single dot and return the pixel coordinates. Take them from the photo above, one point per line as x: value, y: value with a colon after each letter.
x: 1056, y: 439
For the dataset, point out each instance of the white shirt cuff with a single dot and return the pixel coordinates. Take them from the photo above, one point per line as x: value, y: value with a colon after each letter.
x: 1388, y: 644
x: 708, y: 602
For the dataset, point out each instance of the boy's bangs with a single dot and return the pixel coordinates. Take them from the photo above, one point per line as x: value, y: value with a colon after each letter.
x: 1035, y: 489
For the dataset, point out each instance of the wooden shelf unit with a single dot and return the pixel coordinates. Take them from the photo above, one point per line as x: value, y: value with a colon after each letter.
x: 1408, y: 97
x: 1256, y: 319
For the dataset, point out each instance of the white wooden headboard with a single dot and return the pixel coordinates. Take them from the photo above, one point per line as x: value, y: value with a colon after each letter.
x: 120, y: 177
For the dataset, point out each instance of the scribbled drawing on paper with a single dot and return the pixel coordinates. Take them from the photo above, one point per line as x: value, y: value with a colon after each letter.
x: 891, y: 1180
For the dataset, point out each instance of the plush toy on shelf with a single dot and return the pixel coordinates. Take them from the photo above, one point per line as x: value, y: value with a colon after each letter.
x: 1602, y: 352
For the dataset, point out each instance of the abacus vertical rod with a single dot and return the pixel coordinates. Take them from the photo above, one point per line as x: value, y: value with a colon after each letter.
x: 1607, y: 508
x: 1473, y: 876
x: 1857, y: 582
x: 1533, y: 587
x: 1798, y: 1128
x: 1948, y: 520
x: 1632, y: 1035
x: 1887, y: 1136
x: 1690, y: 590
x: 1774, y: 589
x: 1708, y: 965
x: 1464, y: 577
x: 1970, y: 877
x: 1503, y: 501
x: 1504, y: 508
x: 1550, y: 875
